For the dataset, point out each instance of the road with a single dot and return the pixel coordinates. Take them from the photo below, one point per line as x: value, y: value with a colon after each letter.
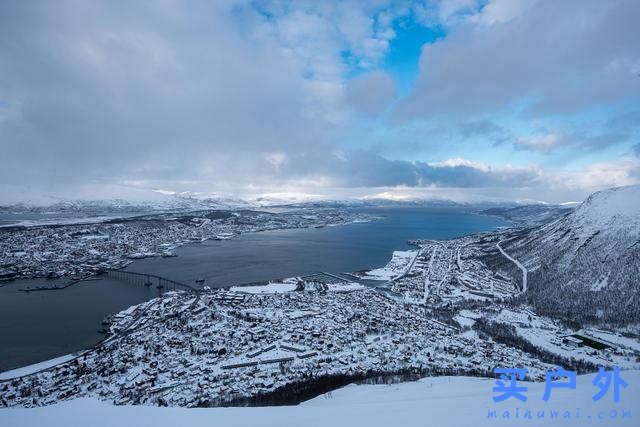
x: 427, y: 282
x: 516, y: 262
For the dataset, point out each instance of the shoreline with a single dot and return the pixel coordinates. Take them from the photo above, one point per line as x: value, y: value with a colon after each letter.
x: 264, y: 281
x: 126, y: 260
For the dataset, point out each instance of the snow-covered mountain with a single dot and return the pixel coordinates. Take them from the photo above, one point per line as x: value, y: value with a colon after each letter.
x: 182, y: 202
x: 172, y: 203
x: 586, y: 265
x: 530, y: 214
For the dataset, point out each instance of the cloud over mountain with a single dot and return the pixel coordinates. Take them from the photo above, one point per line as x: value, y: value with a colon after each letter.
x: 241, y: 95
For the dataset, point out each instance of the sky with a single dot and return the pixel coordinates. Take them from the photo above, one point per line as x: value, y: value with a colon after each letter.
x: 461, y: 99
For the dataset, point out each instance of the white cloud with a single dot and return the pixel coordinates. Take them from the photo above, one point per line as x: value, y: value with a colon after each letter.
x: 597, y: 176
x: 498, y: 11
x: 277, y: 159
x: 554, y: 58
x: 542, y: 142
x: 461, y: 162
x: 371, y: 92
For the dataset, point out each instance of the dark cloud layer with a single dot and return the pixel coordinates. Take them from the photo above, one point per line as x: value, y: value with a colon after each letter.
x: 364, y: 168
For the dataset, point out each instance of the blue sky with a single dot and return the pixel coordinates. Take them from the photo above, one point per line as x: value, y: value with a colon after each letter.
x: 463, y: 99
x: 405, y: 49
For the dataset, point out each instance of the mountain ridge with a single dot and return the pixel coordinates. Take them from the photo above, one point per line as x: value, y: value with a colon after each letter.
x: 585, y: 266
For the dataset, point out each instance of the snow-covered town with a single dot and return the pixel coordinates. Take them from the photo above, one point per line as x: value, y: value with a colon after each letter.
x: 438, y: 309
x: 81, y: 250
x: 319, y: 213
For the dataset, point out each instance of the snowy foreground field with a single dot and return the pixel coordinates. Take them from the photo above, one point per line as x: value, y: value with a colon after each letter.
x: 439, y: 401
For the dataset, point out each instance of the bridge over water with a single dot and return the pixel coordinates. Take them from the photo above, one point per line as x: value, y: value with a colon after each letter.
x: 145, y: 279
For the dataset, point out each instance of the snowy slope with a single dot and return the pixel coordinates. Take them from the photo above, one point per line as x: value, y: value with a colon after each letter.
x: 530, y: 214
x: 441, y: 401
x: 588, y: 259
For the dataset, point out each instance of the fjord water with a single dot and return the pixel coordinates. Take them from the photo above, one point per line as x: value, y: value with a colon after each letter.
x: 37, y: 326
x: 254, y: 257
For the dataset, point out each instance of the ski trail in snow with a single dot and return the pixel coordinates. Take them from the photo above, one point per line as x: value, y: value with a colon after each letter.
x: 516, y: 262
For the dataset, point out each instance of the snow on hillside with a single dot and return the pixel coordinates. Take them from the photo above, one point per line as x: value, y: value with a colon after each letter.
x: 616, y: 207
x: 588, y: 259
x: 530, y: 214
x: 606, y: 225
x: 439, y: 401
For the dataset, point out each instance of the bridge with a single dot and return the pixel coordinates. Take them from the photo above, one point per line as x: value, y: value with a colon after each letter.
x: 147, y: 279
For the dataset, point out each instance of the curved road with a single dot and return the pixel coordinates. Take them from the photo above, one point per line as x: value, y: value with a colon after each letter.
x: 516, y: 262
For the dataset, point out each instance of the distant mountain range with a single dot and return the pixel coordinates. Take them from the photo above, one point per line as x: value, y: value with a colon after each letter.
x: 188, y: 202
x: 115, y: 206
x: 585, y: 266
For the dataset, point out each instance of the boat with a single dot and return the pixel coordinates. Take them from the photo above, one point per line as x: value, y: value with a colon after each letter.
x: 200, y: 280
